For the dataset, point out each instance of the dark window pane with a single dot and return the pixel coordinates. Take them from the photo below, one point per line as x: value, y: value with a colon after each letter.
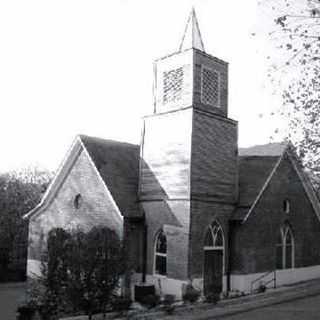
x: 288, y: 257
x: 161, y: 246
x: 219, y: 239
x: 279, y: 257
x: 208, y: 242
x: 215, y: 228
x: 288, y: 238
x: 161, y: 265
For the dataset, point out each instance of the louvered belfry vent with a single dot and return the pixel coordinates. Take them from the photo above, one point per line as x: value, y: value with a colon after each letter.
x: 210, y: 87
x: 172, y: 85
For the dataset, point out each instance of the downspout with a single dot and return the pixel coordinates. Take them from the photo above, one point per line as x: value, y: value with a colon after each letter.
x: 144, y: 264
x: 230, y: 244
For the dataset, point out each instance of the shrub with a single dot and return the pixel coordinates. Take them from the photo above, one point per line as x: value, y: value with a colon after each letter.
x: 81, y: 272
x: 191, y: 294
x: 25, y: 312
x: 120, y: 303
x: 168, y: 302
x: 212, y: 297
x: 262, y: 288
x: 150, y: 300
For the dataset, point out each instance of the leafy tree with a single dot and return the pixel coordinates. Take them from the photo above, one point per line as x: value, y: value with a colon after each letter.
x: 81, y: 272
x: 20, y: 191
x: 96, y: 264
x: 296, y: 34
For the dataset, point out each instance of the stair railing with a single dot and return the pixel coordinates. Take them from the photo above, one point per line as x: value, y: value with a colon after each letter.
x: 273, y: 279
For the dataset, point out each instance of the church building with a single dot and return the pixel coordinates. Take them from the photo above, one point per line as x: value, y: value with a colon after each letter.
x: 188, y: 203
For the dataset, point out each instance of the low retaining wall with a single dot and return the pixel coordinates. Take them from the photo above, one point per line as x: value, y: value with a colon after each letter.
x: 242, y: 282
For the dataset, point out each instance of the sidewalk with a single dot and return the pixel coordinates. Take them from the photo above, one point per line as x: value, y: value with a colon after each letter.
x: 11, y: 294
x: 230, y: 307
x: 227, y: 307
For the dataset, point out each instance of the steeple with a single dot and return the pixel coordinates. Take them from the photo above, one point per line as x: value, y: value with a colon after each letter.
x: 191, y: 77
x: 192, y: 36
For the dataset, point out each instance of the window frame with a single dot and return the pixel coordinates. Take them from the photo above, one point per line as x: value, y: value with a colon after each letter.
x: 214, y: 236
x: 285, y: 231
x: 160, y: 254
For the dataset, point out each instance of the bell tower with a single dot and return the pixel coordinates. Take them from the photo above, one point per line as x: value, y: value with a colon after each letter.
x: 190, y: 77
x: 188, y: 159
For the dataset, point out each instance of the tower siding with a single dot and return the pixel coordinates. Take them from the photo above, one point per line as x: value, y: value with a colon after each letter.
x: 203, y: 60
x: 165, y: 156
x: 214, y: 168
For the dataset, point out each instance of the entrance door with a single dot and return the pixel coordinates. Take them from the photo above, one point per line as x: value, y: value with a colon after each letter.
x: 213, y: 271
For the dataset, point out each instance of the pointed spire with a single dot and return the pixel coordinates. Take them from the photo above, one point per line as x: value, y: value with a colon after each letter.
x: 192, y: 36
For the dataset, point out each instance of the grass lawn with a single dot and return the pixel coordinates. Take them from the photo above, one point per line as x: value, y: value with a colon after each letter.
x: 10, y: 296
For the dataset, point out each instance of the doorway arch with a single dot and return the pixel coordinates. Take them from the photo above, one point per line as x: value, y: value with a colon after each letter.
x: 214, y: 247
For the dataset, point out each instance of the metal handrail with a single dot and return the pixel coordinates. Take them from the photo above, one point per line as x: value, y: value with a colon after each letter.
x: 264, y: 276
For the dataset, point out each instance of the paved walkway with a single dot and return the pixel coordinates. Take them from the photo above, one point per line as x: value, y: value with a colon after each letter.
x: 236, y: 308
x: 227, y: 308
x: 10, y: 296
x: 307, y: 308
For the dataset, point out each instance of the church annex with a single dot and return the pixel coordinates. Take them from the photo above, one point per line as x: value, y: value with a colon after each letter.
x: 188, y: 203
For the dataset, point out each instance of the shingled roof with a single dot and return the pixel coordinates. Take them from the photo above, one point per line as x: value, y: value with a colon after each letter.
x: 255, y: 166
x: 118, y: 165
x: 271, y: 149
x: 253, y: 173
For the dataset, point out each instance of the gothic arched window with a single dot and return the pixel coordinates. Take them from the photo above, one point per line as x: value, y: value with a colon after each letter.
x: 214, y: 237
x: 161, y: 254
x: 285, y: 249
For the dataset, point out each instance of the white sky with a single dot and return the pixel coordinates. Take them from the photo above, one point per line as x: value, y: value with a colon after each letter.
x: 74, y: 66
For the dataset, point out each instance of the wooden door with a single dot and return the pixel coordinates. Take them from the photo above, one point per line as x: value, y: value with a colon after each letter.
x: 213, y: 271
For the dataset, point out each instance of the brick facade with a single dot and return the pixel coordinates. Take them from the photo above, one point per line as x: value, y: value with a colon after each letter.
x: 254, y: 242
x: 96, y: 208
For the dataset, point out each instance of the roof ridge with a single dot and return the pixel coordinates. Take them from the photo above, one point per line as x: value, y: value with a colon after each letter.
x: 84, y: 136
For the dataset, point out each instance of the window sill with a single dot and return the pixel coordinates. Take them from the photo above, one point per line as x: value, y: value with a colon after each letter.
x: 160, y: 276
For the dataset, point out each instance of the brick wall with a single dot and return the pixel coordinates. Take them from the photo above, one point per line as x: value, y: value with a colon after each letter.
x: 254, y: 242
x: 173, y: 218
x: 214, y: 170
x: 203, y: 214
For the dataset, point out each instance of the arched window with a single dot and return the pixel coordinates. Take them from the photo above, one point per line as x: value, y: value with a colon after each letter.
x: 161, y: 254
x: 285, y: 249
x: 214, y: 237
x: 213, y: 260
x: 286, y: 206
x: 77, y: 202
x: 288, y: 248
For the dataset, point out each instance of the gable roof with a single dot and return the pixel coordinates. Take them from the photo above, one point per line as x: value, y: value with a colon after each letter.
x: 116, y: 163
x: 256, y: 168
x: 271, y: 149
x: 253, y: 173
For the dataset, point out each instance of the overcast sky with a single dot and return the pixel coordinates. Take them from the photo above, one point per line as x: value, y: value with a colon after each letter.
x: 73, y: 66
